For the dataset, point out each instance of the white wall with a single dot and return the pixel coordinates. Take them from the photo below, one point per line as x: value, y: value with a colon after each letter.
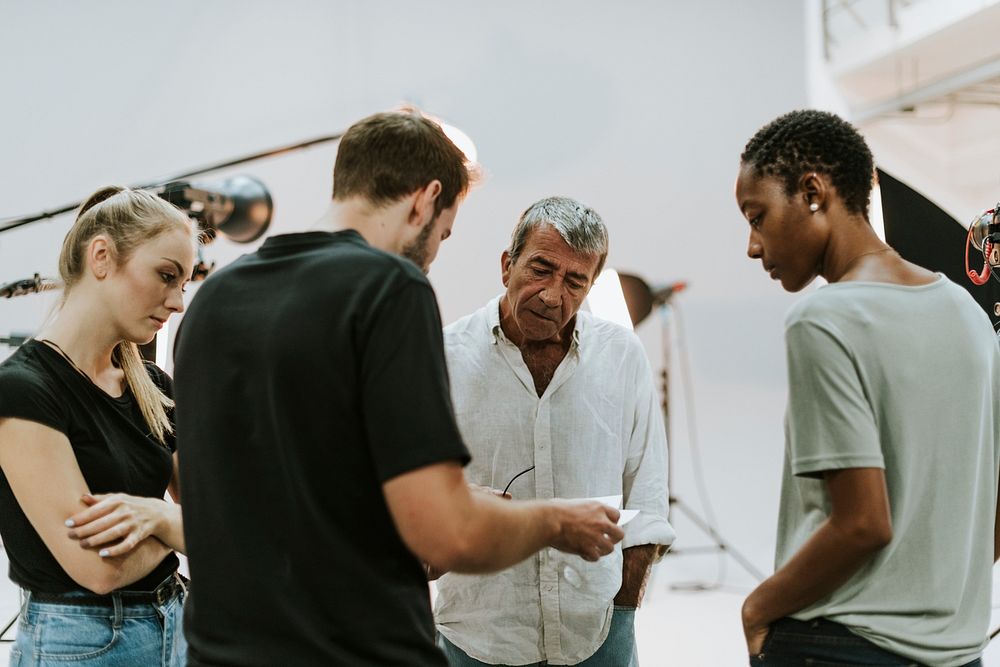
x: 638, y: 108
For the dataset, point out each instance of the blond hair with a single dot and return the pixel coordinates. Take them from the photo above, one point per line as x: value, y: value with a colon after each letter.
x: 128, y: 218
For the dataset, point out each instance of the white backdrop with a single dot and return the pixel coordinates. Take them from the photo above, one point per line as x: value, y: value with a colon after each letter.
x: 640, y: 109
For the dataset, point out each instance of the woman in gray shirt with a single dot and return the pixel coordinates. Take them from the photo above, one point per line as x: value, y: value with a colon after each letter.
x: 886, y: 525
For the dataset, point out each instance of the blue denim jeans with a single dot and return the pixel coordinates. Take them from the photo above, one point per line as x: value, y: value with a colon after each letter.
x: 618, y: 650
x: 823, y: 643
x: 121, y: 633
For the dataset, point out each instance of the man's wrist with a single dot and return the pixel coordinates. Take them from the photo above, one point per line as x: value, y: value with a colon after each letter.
x: 637, y: 564
x: 553, y: 520
x: 627, y: 599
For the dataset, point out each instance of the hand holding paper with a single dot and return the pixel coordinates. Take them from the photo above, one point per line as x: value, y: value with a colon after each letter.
x: 616, y: 502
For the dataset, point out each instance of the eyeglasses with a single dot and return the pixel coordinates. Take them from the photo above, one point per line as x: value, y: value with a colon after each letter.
x: 515, y: 477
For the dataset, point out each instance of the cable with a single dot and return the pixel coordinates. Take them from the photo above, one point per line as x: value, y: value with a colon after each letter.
x: 523, y: 472
x: 695, y: 445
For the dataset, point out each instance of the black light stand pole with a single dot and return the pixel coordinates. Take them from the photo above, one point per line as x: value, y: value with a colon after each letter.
x: 675, y: 502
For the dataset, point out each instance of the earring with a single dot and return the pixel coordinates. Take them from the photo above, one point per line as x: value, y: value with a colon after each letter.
x: 814, y: 207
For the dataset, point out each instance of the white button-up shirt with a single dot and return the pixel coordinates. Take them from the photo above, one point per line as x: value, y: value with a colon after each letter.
x: 596, y: 431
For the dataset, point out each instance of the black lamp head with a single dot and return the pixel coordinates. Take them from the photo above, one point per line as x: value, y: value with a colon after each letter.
x: 239, y: 208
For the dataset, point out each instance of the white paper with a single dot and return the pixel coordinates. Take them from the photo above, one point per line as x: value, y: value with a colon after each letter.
x: 616, y: 502
x: 626, y: 516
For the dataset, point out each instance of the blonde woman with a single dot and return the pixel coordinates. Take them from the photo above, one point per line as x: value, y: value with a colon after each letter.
x: 87, y: 450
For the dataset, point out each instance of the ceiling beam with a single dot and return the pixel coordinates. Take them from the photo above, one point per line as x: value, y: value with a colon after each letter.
x: 931, y: 92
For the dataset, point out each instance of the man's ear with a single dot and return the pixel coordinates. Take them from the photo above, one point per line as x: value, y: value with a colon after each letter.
x: 100, y: 256
x: 422, y: 211
x: 505, y: 264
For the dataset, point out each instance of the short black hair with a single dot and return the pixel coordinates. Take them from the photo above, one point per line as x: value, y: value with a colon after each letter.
x: 806, y: 141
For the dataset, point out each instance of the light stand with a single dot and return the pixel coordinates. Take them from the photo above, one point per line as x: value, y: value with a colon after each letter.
x: 29, y: 286
x: 237, y: 208
x: 641, y: 299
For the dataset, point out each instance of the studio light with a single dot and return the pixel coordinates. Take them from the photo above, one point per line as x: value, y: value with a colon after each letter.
x: 462, y: 140
x: 239, y: 208
x: 628, y: 300
x: 607, y: 301
x: 641, y: 298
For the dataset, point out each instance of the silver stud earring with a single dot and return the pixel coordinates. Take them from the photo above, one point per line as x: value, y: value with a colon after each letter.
x: 814, y: 207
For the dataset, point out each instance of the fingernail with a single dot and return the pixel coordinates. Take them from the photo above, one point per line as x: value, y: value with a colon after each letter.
x: 70, y: 523
x: 103, y: 553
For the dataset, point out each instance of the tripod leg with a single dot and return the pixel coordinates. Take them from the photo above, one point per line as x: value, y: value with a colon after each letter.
x: 674, y: 502
x: 720, y: 543
x: 7, y: 628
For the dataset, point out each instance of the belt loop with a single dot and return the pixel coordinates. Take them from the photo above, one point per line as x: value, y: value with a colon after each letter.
x: 180, y: 582
x: 116, y: 620
x: 25, y: 599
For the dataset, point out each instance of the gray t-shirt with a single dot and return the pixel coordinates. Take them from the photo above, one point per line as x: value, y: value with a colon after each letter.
x: 905, y: 379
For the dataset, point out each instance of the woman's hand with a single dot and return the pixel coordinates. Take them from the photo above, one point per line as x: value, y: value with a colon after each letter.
x: 755, y: 636
x: 116, y: 523
x: 755, y: 629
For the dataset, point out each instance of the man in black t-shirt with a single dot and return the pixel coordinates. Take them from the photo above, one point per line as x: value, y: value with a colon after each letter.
x: 320, y: 460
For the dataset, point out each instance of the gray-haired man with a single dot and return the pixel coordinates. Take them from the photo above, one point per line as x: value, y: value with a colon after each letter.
x: 536, y: 382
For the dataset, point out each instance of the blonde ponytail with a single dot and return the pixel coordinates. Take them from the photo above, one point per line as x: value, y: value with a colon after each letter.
x: 153, y: 403
x: 128, y: 218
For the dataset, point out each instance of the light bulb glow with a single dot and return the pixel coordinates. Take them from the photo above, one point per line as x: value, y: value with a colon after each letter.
x: 607, y: 301
x: 463, y: 141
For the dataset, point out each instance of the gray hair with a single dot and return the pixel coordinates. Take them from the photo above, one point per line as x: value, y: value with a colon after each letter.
x: 579, y: 226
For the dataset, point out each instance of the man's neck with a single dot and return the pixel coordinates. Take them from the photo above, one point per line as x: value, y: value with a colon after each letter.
x: 542, y: 357
x: 379, y: 226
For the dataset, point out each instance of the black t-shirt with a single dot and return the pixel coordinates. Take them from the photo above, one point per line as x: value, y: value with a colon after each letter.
x: 111, y: 441
x: 307, y: 374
